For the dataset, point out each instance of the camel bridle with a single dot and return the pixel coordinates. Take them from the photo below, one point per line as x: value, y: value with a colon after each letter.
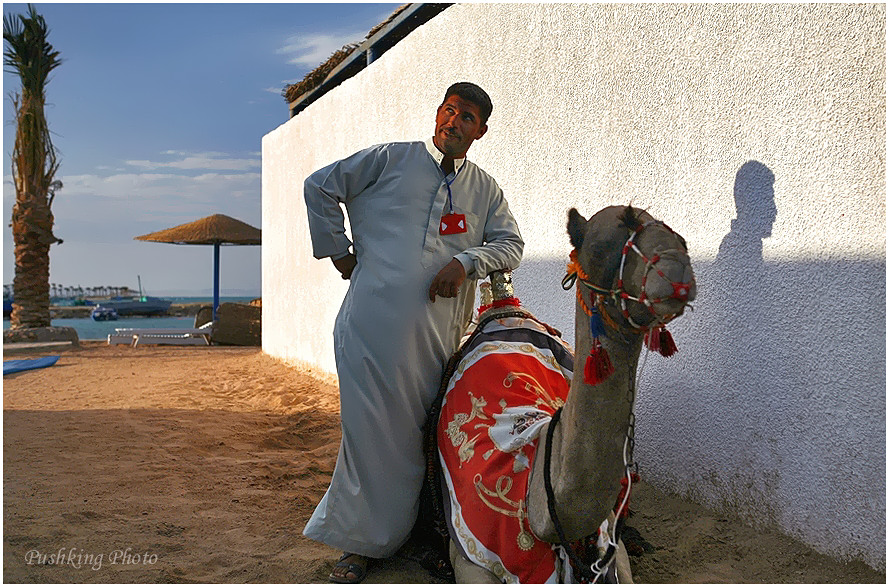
x: 619, y: 295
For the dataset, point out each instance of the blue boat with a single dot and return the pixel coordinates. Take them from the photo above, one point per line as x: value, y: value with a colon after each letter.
x: 102, y: 314
x: 7, y: 307
x: 136, y: 305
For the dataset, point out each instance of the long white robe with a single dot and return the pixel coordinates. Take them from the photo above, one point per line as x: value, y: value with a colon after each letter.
x: 390, y: 342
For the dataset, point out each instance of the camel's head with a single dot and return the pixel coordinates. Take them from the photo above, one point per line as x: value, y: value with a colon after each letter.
x: 637, y: 264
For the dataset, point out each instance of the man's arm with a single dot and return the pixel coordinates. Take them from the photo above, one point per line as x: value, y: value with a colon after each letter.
x: 330, y: 187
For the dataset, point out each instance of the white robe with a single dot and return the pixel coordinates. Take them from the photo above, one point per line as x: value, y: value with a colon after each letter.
x: 390, y: 342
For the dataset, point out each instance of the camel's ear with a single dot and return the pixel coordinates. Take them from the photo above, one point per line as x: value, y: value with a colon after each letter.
x: 631, y: 218
x: 576, y: 228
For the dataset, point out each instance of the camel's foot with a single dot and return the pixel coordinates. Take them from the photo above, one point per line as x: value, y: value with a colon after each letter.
x: 467, y: 572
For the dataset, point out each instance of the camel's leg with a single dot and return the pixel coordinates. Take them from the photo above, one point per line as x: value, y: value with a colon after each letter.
x: 467, y: 572
x: 622, y: 564
x: 621, y: 560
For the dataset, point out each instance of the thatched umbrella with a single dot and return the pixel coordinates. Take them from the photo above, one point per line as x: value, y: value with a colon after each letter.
x: 215, y: 230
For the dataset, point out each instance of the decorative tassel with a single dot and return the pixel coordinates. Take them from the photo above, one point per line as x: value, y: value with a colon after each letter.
x: 625, y: 512
x: 598, y: 365
x: 660, y: 340
x: 597, y: 324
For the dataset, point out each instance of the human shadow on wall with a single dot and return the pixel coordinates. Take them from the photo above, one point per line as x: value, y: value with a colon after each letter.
x: 743, y: 318
x: 739, y: 286
x: 731, y: 339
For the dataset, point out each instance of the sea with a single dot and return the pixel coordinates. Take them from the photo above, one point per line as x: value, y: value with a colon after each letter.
x: 89, y: 329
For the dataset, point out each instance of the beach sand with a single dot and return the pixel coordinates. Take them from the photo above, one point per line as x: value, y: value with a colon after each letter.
x: 202, y: 464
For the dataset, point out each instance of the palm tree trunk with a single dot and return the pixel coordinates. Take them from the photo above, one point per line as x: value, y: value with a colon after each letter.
x: 32, y: 219
x: 32, y: 223
x: 31, y: 286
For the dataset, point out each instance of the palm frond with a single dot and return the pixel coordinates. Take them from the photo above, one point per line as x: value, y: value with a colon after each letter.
x: 28, y: 53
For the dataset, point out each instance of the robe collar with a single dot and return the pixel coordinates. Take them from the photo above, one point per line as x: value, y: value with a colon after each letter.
x: 438, y: 155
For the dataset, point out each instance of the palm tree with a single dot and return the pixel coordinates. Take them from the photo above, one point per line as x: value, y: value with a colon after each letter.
x: 34, y: 164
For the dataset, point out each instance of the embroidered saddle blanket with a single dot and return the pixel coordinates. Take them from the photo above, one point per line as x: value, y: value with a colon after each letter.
x: 511, y: 379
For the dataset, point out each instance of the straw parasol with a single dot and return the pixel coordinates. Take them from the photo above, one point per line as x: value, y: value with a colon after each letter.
x: 215, y: 230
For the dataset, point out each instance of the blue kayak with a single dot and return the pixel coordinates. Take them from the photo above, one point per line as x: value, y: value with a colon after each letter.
x: 27, y: 364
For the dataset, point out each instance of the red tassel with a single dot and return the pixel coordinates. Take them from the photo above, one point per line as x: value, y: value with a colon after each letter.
x: 668, y: 345
x: 661, y: 341
x: 653, y: 339
x: 625, y: 512
x: 598, y: 365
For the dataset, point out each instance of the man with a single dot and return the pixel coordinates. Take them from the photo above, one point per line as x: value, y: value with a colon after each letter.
x: 426, y: 225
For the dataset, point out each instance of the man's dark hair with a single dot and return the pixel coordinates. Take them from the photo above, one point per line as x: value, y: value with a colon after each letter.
x: 472, y: 93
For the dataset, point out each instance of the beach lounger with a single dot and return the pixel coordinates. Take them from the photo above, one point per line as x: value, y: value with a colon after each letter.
x: 178, y: 336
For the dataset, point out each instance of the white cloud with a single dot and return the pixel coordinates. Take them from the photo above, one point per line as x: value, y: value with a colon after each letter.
x: 314, y: 49
x: 125, y: 200
x: 191, y: 161
x: 144, y: 190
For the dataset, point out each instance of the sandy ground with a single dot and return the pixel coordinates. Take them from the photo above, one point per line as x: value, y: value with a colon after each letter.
x: 188, y: 464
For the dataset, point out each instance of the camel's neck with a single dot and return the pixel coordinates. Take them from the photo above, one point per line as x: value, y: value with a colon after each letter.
x: 588, y: 443
x: 596, y: 410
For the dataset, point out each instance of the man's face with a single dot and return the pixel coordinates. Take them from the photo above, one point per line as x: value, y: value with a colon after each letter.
x: 457, y: 124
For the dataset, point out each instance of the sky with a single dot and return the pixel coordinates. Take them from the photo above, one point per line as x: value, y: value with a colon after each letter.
x: 158, y: 113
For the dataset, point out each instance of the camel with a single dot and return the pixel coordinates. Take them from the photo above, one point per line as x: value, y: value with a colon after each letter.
x: 506, y: 393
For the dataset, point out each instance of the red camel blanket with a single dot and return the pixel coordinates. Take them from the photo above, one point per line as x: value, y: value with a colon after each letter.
x: 511, y: 379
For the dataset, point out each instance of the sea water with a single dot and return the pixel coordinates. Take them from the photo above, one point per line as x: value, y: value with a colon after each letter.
x: 89, y: 329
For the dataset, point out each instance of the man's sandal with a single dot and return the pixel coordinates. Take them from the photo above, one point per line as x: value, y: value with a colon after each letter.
x: 357, y: 569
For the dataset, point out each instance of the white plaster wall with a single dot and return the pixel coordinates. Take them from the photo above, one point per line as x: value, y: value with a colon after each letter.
x: 775, y: 406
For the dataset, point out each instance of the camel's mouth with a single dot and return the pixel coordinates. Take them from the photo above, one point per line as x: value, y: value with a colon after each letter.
x: 656, y: 281
x: 671, y: 279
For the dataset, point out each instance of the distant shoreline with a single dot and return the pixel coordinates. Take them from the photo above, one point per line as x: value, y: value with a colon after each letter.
x: 176, y: 309
x: 84, y: 311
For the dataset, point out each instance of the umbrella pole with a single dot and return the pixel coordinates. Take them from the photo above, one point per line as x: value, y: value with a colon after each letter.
x: 215, y: 279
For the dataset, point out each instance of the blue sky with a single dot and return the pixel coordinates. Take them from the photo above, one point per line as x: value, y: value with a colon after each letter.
x: 158, y: 112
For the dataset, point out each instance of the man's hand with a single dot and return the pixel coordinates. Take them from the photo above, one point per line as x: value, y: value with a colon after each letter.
x: 346, y: 265
x: 448, y: 281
